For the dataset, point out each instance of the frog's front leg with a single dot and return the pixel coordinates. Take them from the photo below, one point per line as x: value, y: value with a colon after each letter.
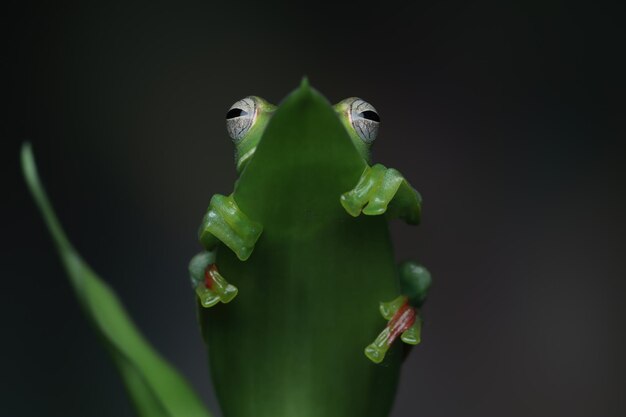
x: 402, y: 313
x: 224, y: 222
x: 381, y: 190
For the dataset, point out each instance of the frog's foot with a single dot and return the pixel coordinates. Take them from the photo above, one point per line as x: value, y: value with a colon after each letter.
x: 225, y: 222
x: 374, y: 191
x: 404, y: 321
x: 209, y: 284
x: 403, y: 312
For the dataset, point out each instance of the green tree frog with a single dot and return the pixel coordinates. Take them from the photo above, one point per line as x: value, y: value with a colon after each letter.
x: 298, y: 264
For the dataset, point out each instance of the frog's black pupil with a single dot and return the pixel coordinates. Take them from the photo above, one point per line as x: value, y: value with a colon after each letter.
x: 232, y: 113
x: 370, y: 115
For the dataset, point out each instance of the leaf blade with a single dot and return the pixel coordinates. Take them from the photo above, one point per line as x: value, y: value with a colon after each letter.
x: 153, y: 385
x: 309, y: 293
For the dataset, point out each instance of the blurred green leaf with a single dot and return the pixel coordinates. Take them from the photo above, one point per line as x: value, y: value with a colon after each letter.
x: 154, y: 386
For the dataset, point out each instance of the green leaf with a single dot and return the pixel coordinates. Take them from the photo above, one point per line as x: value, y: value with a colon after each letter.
x: 292, y: 342
x: 154, y: 386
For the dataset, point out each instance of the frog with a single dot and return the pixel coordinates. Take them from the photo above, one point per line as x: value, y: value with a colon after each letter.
x: 297, y: 264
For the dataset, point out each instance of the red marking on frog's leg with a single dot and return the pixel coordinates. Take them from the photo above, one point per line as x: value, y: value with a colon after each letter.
x: 209, y: 281
x: 401, y: 321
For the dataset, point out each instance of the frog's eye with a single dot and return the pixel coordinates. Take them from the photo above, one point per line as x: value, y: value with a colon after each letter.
x: 364, y: 119
x: 240, y: 118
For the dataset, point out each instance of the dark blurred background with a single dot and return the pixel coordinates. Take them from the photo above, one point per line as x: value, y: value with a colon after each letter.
x: 507, y: 117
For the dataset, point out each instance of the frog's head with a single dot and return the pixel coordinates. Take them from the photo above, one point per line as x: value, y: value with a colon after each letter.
x: 247, y: 119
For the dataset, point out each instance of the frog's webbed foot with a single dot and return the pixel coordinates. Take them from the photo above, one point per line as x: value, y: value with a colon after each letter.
x: 402, y: 313
x: 403, y: 322
x: 225, y: 222
x: 208, y: 283
x: 379, y: 188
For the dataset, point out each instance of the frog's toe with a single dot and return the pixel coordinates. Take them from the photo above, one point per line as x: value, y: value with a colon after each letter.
x: 384, y: 191
x: 389, y: 308
x: 376, y: 352
x: 373, y: 193
x: 351, y: 203
x: 207, y: 297
x: 215, y: 285
x: 243, y: 251
x: 374, y: 209
x: 357, y: 198
x: 412, y: 335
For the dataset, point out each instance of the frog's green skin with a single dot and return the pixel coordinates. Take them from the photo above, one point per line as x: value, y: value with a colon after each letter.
x: 310, y: 271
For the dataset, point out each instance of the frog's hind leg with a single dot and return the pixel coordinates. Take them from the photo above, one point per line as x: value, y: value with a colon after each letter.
x: 208, y: 283
x: 402, y: 313
x: 223, y: 222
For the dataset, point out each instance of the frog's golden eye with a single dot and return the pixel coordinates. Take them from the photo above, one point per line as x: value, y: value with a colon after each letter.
x: 364, y: 119
x: 240, y: 118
